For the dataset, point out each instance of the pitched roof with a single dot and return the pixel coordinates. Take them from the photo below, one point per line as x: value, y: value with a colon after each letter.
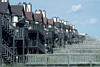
x: 57, y: 24
x: 50, y: 21
x: 45, y: 20
x: 67, y: 26
x: 3, y: 7
x: 28, y: 15
x: 38, y: 17
x: 21, y: 23
x: 62, y: 25
x: 17, y: 10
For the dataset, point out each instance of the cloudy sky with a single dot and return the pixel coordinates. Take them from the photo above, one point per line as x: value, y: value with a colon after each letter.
x: 84, y: 14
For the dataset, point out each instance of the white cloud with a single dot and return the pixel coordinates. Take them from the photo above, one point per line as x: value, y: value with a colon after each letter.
x: 92, y: 20
x: 76, y: 7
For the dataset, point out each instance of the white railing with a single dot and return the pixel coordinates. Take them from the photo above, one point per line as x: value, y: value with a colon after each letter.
x: 75, y: 58
x: 19, y: 33
x: 76, y: 50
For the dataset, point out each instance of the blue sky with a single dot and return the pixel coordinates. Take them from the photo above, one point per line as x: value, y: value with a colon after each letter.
x: 84, y: 14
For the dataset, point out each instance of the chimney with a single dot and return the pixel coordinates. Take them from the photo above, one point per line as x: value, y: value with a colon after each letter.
x: 62, y: 21
x: 73, y: 27
x: 66, y: 23
x: 38, y: 11
x: 44, y: 13
x: 59, y: 20
x: 55, y: 19
x: 24, y: 5
x: 4, y: 1
x: 29, y: 7
x: 41, y: 12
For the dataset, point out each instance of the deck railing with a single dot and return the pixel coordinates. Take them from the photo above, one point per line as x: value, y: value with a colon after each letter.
x: 62, y: 59
x: 19, y: 33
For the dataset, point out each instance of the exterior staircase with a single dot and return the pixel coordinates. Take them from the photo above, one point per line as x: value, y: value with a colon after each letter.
x: 7, y: 53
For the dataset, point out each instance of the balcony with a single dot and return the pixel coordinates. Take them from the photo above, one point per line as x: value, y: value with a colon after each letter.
x: 36, y: 44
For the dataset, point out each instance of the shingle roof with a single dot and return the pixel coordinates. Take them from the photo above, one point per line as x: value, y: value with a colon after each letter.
x: 38, y: 17
x: 28, y: 15
x: 17, y: 10
x: 45, y: 20
x: 62, y: 25
x: 3, y: 7
x: 57, y: 24
x: 50, y: 21
x: 67, y: 26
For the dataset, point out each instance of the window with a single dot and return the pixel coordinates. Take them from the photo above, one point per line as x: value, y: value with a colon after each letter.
x: 15, y: 19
